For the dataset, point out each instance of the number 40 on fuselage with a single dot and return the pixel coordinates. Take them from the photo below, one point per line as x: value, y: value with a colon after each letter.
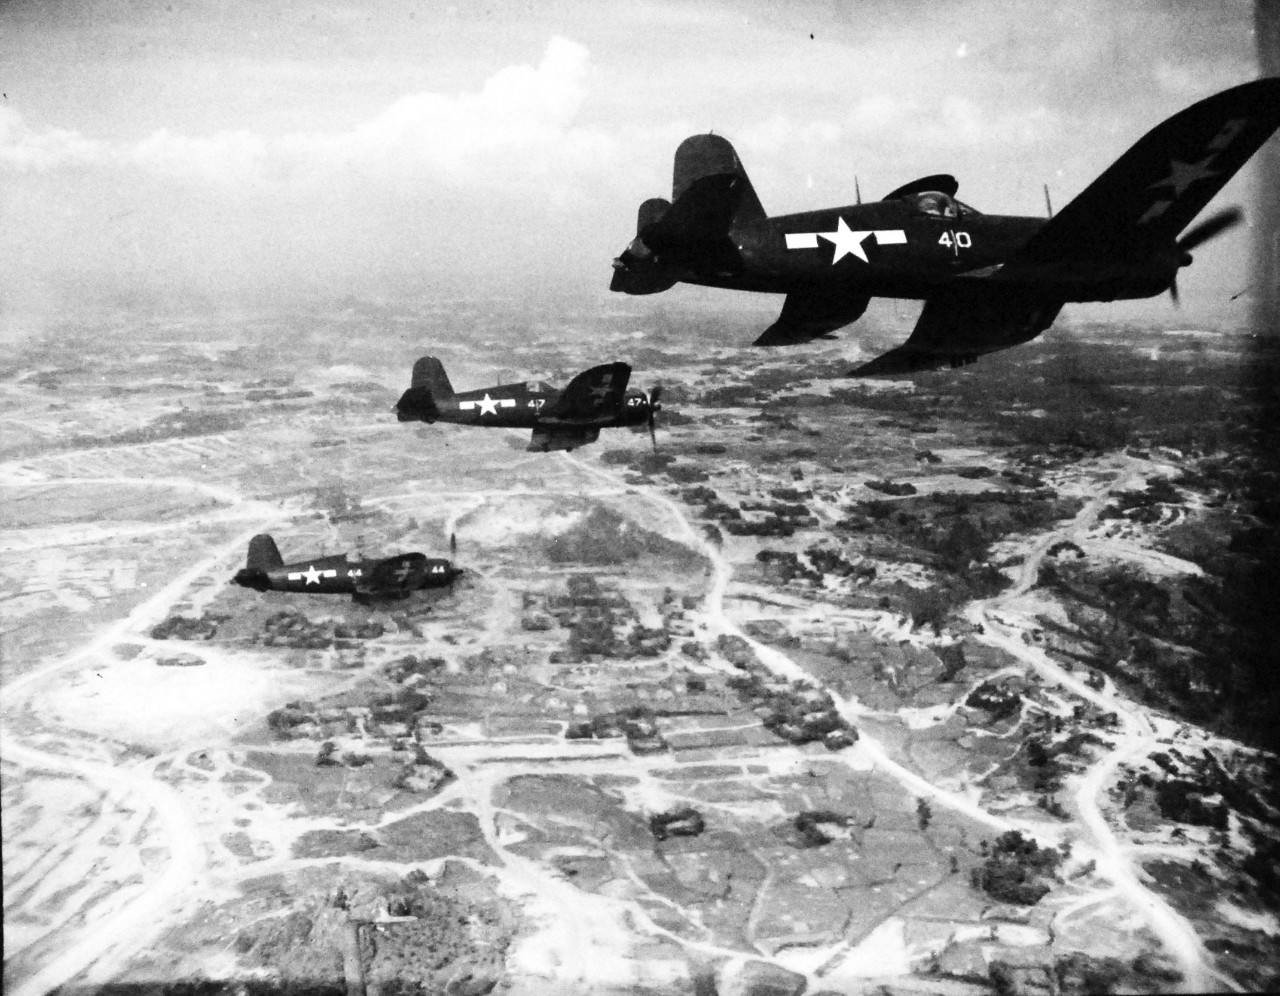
x: 988, y: 281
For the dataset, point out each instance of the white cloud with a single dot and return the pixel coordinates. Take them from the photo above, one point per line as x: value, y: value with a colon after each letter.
x: 519, y: 126
x: 23, y: 148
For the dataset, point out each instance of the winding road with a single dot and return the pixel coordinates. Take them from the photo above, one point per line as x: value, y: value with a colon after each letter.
x: 579, y: 929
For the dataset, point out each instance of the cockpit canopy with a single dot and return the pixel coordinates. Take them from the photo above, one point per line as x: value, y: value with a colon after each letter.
x: 939, y: 205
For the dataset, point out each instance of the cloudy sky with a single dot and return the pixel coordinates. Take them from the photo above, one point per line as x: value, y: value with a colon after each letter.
x: 178, y: 153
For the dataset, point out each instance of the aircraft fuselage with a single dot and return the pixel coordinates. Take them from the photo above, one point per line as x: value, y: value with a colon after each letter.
x: 334, y: 575
x: 891, y: 249
x: 520, y: 405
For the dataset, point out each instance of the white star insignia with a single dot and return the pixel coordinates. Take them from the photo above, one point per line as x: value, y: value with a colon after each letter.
x: 488, y: 406
x: 846, y: 241
x: 1182, y: 175
x: 311, y: 574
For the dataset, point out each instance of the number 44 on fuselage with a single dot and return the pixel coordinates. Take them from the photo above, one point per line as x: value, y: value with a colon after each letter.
x: 561, y: 420
x: 988, y: 281
x: 364, y: 580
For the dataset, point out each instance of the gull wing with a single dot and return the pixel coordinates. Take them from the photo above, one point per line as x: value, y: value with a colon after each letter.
x: 1152, y: 192
x: 594, y: 395
x: 395, y: 575
x: 962, y: 323
x: 811, y: 314
x: 562, y: 437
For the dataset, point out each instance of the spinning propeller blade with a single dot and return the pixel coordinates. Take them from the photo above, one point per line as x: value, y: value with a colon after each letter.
x: 1198, y: 235
x: 653, y: 405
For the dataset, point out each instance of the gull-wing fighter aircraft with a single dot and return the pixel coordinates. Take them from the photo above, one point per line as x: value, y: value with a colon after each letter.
x: 365, y: 580
x: 988, y: 281
x: 561, y: 420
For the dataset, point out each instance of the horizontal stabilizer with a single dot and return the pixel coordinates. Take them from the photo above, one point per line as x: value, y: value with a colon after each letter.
x: 701, y: 216
x: 633, y: 282
x: 417, y: 405
x: 651, y: 212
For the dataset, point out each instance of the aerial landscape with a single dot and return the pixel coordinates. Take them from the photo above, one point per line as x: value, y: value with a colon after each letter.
x: 956, y: 683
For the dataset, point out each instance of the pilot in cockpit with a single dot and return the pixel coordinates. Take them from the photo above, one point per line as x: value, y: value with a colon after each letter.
x: 937, y: 204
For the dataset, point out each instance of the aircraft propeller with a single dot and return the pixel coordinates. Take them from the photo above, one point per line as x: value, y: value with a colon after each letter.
x: 651, y: 401
x: 1211, y: 227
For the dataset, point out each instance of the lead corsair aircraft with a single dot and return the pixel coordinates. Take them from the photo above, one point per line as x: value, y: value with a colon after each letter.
x: 561, y: 420
x: 364, y: 580
x: 988, y: 281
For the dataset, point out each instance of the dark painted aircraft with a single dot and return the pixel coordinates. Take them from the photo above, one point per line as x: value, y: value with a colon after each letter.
x: 561, y: 420
x: 988, y: 281
x: 365, y: 580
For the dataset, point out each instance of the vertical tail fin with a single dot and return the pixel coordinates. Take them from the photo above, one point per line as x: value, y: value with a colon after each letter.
x: 429, y: 372
x: 263, y: 555
x: 702, y: 156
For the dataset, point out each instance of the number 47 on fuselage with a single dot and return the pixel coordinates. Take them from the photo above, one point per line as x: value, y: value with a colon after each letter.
x: 988, y: 281
x: 560, y: 419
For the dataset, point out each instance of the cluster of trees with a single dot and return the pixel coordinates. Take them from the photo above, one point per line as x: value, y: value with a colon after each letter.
x: 187, y: 628
x: 770, y: 525
x: 405, y: 667
x: 290, y: 628
x: 786, y: 566
x: 1142, y: 506
x: 1017, y: 870
x: 890, y: 488
x: 800, y: 714
x: 998, y: 699
x: 809, y: 826
x: 1183, y: 801
x: 637, y: 723
x: 684, y: 822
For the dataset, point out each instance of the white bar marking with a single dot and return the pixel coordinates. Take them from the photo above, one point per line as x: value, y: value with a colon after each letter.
x: 802, y: 240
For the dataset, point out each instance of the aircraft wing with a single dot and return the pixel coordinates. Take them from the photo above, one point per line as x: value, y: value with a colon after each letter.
x: 1152, y: 192
x: 961, y: 323
x: 594, y: 395
x: 810, y: 314
x: 562, y: 437
x: 395, y: 575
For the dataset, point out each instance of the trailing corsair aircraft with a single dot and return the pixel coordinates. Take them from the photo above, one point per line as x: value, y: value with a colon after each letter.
x: 561, y: 420
x: 988, y: 281
x: 364, y: 580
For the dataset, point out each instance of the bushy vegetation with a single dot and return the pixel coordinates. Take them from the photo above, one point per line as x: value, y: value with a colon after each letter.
x: 603, y: 537
x: 187, y: 628
x: 683, y: 822
x: 1017, y: 870
x: 809, y: 825
x: 794, y: 711
x: 637, y: 723
x: 996, y: 698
